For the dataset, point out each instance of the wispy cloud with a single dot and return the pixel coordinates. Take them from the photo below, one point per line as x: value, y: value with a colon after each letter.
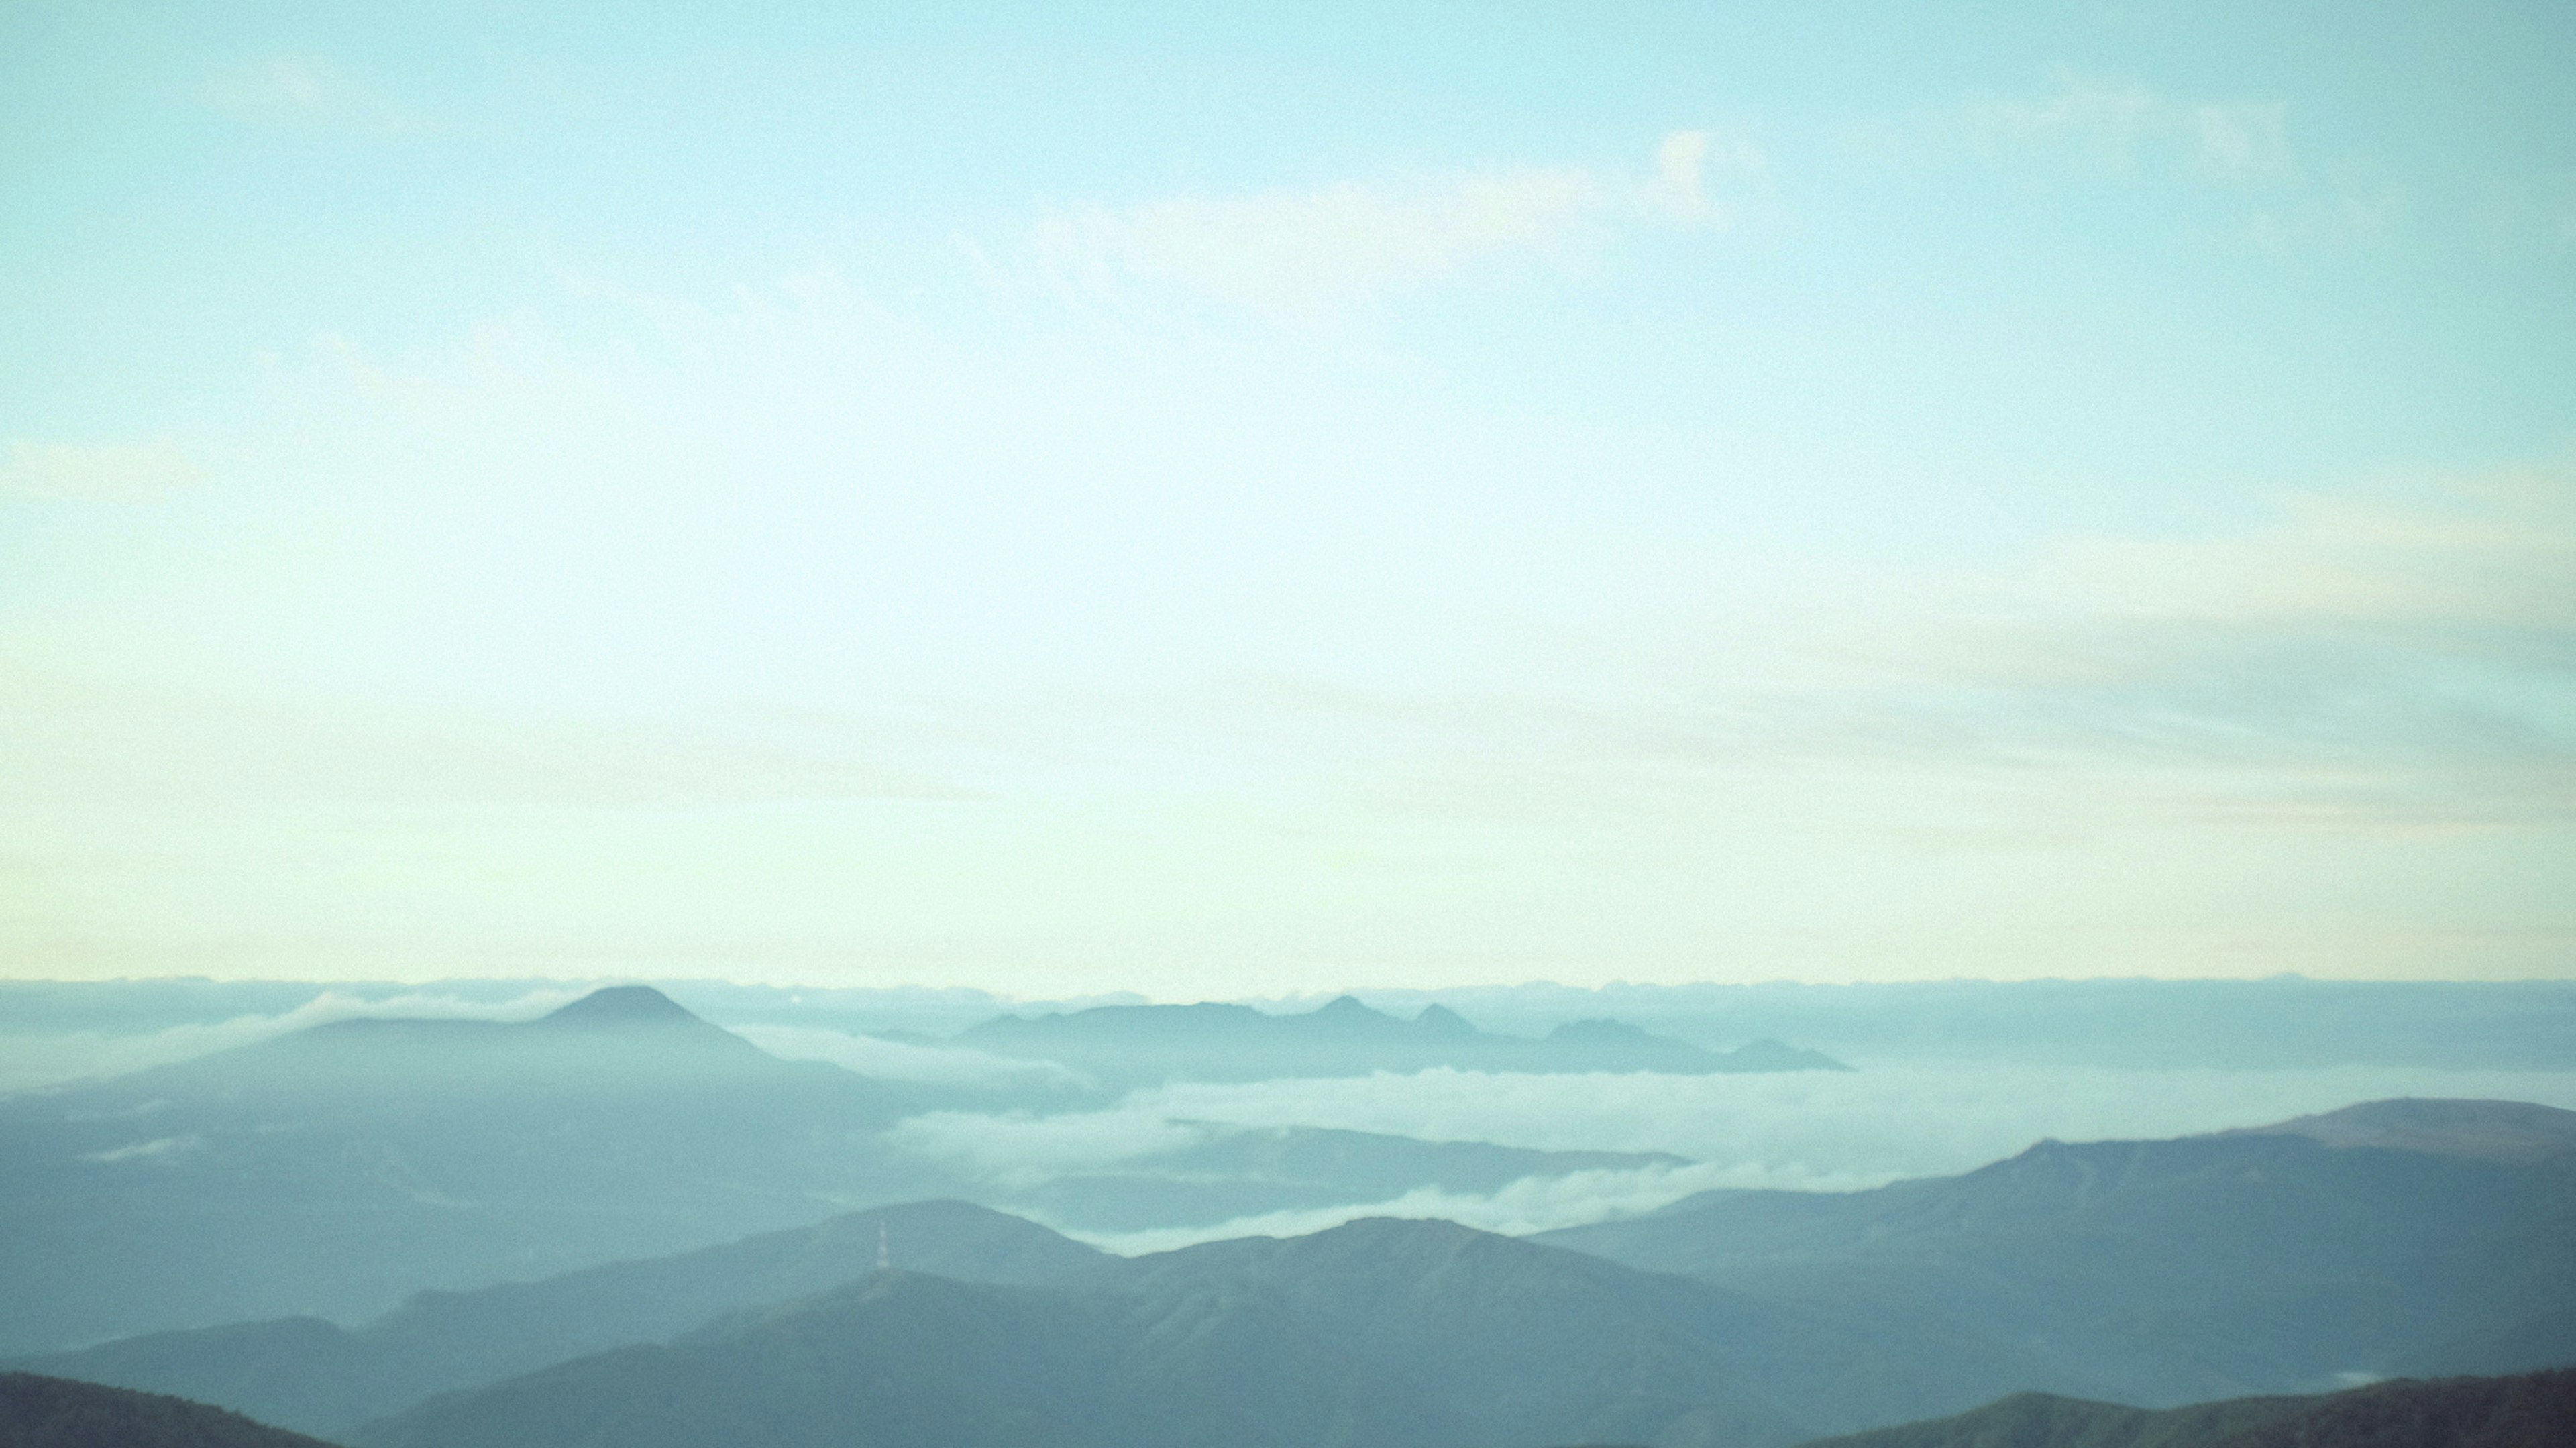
x: 1299, y: 253
x: 100, y: 749
x: 157, y: 1149
x: 313, y: 93
x: 110, y: 473
x: 2120, y: 125
x: 892, y: 1060
x: 2367, y: 664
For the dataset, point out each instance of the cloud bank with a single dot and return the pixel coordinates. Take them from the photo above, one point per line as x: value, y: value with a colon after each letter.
x: 34, y: 1060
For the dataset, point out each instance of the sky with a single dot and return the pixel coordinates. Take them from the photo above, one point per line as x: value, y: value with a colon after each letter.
x: 1237, y: 500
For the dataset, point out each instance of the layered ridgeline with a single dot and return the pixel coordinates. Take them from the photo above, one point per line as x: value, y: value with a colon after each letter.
x: 42, y: 1412
x: 2400, y: 1237
x: 1378, y: 1334
x: 2395, y: 1238
x: 332, y: 1172
x: 2530, y: 1410
x: 312, y: 1375
x: 1143, y: 1045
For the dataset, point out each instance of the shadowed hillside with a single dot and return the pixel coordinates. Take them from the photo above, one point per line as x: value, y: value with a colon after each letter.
x: 315, y: 1376
x: 1379, y: 1334
x: 2535, y: 1410
x: 43, y: 1412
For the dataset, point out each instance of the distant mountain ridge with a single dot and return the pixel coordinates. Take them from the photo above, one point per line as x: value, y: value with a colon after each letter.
x: 1211, y: 1041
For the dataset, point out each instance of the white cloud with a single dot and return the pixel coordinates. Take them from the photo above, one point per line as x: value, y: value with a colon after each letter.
x: 115, y: 473
x: 2099, y: 120
x: 308, y: 93
x: 1019, y: 1150
x: 2242, y: 142
x: 1689, y: 164
x: 31, y: 1061
x: 155, y: 1150
x: 1300, y: 253
x: 2503, y: 559
x: 1532, y: 1204
x: 904, y: 1060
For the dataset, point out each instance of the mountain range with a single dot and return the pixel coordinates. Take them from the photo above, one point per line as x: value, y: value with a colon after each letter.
x: 1127, y: 1046
x: 332, y: 1172
x: 1378, y: 1334
x: 2265, y: 1262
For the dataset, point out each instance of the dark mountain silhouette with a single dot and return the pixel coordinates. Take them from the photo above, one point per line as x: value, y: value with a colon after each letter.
x: 2178, y: 1271
x: 312, y: 1375
x: 1373, y: 1335
x: 42, y: 1412
x: 1139, y: 1045
x: 2535, y: 1410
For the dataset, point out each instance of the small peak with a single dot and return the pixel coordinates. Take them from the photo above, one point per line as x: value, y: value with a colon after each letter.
x: 1599, y: 1031
x: 1440, y: 1020
x: 622, y: 1005
x: 1346, y: 1015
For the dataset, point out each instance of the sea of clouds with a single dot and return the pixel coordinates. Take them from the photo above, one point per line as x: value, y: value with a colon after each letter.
x: 1804, y: 1131
x: 1800, y: 1131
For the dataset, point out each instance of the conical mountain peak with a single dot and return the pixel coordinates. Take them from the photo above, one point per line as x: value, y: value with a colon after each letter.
x: 620, y: 1006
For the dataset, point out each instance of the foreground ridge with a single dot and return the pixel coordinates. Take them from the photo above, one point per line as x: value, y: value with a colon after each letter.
x: 2531, y: 1410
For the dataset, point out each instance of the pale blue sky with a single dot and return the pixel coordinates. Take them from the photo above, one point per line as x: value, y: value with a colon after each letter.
x: 1218, y: 501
